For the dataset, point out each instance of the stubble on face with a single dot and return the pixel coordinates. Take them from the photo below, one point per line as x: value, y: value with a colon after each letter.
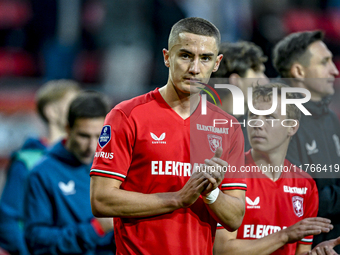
x: 192, y: 58
x: 320, y: 72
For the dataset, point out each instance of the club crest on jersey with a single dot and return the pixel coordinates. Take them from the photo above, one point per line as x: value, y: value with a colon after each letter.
x: 215, y: 141
x: 105, y: 136
x: 298, y: 205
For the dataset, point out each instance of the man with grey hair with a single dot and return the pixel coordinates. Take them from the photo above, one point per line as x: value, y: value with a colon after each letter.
x: 304, y: 59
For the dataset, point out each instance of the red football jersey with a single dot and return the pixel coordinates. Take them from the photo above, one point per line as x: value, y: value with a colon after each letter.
x: 272, y: 206
x: 151, y: 149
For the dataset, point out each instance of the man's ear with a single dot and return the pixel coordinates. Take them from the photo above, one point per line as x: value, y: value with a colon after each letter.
x: 297, y: 71
x: 51, y: 113
x: 235, y: 79
x: 292, y: 130
x: 217, y: 63
x: 166, y: 57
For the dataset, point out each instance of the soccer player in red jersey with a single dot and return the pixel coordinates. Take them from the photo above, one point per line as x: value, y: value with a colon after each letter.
x: 281, y: 200
x: 144, y: 171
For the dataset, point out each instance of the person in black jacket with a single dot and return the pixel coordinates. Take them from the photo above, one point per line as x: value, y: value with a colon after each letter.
x: 306, y: 62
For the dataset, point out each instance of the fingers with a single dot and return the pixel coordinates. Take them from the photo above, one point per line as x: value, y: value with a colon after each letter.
x: 319, y: 219
x: 306, y: 227
x: 334, y: 242
x: 318, y: 224
x: 319, y: 251
x: 211, y: 179
x: 323, y: 250
x: 218, y: 152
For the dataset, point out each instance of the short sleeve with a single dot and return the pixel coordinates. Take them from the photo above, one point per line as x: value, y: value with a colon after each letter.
x: 115, y: 145
x: 311, y: 209
x: 234, y: 178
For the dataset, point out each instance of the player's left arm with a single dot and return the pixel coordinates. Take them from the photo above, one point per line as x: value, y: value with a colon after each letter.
x: 229, y: 206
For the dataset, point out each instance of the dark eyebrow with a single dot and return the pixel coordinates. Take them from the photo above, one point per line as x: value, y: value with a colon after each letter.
x: 190, y: 53
x: 208, y: 54
x: 186, y: 51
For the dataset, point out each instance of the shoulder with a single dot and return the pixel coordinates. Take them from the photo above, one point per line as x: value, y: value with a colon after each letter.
x: 45, y: 167
x: 299, y: 174
x: 223, y: 117
x: 218, y: 111
x: 128, y: 106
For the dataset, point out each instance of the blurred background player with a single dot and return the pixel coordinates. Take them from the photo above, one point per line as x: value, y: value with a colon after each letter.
x: 52, y: 101
x: 281, y: 206
x: 304, y: 59
x: 243, y: 66
x: 58, y: 217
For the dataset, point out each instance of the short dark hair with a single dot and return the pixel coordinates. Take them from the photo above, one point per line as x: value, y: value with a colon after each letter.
x: 265, y: 92
x: 53, y: 91
x: 196, y: 26
x: 88, y: 104
x: 294, y: 48
x: 238, y: 58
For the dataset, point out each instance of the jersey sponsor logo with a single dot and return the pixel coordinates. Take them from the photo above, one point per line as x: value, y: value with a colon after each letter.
x: 212, y: 129
x: 253, y: 204
x: 298, y: 205
x: 311, y: 148
x: 259, y: 231
x: 170, y: 168
x: 105, y: 136
x: 337, y: 144
x: 67, y: 189
x: 107, y: 155
x: 215, y: 141
x: 158, y: 140
x: 295, y: 190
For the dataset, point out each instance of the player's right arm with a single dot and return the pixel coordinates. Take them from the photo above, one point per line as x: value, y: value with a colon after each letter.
x: 226, y: 242
x: 108, y: 200
x: 107, y: 175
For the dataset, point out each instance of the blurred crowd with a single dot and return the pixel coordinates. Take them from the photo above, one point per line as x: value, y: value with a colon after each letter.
x: 115, y: 46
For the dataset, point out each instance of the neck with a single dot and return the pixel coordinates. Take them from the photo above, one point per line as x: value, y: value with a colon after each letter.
x: 55, y: 133
x: 315, y: 97
x: 269, y: 161
x: 183, y: 104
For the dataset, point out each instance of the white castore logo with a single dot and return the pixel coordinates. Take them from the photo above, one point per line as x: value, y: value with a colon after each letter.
x: 158, y: 140
x: 67, y: 189
x: 253, y: 204
x: 311, y: 148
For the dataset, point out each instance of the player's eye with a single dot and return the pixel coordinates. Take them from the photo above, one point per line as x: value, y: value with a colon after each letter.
x: 206, y: 58
x: 185, y: 56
